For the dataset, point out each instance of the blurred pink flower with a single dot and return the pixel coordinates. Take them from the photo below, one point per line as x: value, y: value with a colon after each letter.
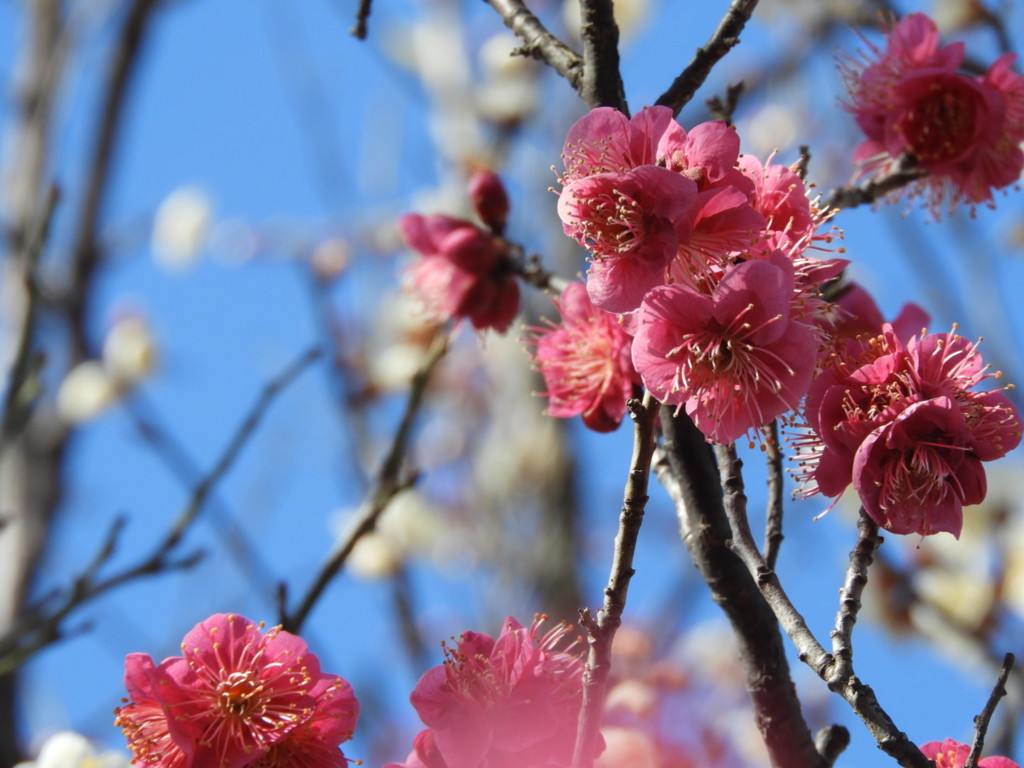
x: 500, y: 703
x: 489, y: 198
x: 965, y: 131
x: 237, y: 697
x: 734, y: 358
x: 953, y: 754
x: 585, y: 361
x: 464, y: 272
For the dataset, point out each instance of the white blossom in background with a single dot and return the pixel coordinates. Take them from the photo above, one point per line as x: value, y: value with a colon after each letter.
x: 180, y: 227
x: 67, y: 749
x: 330, y: 259
x: 129, y: 350
x: 85, y: 393
x: 773, y: 127
x: 507, y: 92
x: 952, y: 16
x: 409, y: 527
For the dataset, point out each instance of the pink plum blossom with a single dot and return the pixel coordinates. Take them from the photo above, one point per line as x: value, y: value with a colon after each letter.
x: 632, y: 223
x: 606, y: 141
x: 953, y: 754
x: 585, y: 361
x: 237, y: 697
x: 734, y: 358
x: 489, y: 198
x: 500, y: 703
x: 903, y: 423
x: 464, y: 272
x: 964, y: 130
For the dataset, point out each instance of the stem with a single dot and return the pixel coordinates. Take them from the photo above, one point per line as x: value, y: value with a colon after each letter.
x: 602, y: 631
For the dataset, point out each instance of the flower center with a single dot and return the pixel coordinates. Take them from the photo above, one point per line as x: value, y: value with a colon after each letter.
x: 239, y: 695
x: 942, y: 123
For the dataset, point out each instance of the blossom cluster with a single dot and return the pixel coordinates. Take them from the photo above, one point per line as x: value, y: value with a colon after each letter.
x: 500, y: 702
x: 237, y: 697
x: 911, y: 100
x: 896, y: 414
x: 700, y: 258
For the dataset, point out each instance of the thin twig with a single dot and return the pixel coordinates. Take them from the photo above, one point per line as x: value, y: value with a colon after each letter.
x: 773, y: 519
x: 850, y: 196
x: 158, y: 436
x: 602, y: 81
x: 41, y: 624
x: 362, y: 18
x: 21, y: 392
x: 985, y: 717
x: 601, y: 632
x: 530, y: 270
x: 389, y: 483
x: 691, y: 477
x: 720, y: 43
x: 539, y: 42
x: 850, y: 595
x: 205, y: 487
x: 724, y: 108
x: 838, y: 676
x: 85, y: 252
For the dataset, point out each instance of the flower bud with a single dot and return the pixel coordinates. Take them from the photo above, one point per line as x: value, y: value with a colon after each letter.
x: 490, y: 201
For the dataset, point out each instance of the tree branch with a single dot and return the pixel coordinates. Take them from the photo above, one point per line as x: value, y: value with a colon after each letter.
x: 850, y: 595
x: 390, y: 482
x: 850, y: 196
x: 42, y: 623
x: 985, y: 717
x: 692, y: 478
x: 602, y: 81
x: 539, y: 42
x: 85, y: 252
x: 721, y: 42
x: 773, y: 519
x: 839, y: 676
x: 601, y: 632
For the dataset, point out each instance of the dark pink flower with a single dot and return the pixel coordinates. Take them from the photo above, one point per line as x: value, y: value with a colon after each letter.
x: 953, y: 754
x: 236, y: 697
x: 914, y: 474
x: 734, y: 358
x: 965, y: 131
x: 500, y: 703
x: 902, y: 422
x: 464, y: 272
x: 632, y: 223
x: 489, y: 199
x: 585, y: 361
x: 606, y: 141
x: 143, y: 716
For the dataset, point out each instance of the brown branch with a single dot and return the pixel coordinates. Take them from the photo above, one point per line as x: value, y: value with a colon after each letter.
x: 773, y: 519
x: 86, y: 249
x: 691, y: 477
x: 389, y: 483
x: 602, y: 81
x: 22, y: 383
x: 985, y: 717
x: 724, y: 108
x: 362, y: 19
x: 850, y: 196
x: 539, y: 42
x: 601, y: 632
x: 720, y: 43
x: 42, y: 624
x: 850, y: 595
x: 838, y: 676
